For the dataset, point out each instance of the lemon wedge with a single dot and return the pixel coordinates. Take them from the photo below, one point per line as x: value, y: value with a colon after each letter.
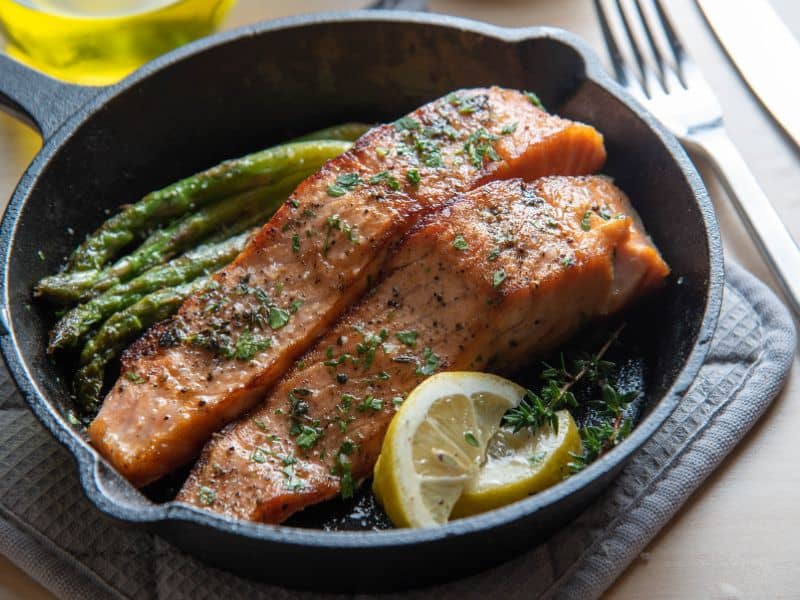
x: 520, y: 464
x: 437, y: 442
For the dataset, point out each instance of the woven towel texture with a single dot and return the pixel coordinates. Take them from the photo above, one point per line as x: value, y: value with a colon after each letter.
x: 50, y: 530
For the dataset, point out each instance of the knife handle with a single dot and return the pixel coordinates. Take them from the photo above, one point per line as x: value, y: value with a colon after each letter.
x: 756, y: 211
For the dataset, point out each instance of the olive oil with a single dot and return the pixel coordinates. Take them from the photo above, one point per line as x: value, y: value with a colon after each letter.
x: 96, y: 42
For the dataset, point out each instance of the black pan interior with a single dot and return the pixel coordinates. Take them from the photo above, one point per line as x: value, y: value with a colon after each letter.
x: 258, y: 89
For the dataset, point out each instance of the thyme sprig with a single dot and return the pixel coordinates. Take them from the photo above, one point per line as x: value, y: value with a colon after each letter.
x: 538, y: 410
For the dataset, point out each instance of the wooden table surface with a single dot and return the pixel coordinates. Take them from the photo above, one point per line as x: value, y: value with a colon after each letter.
x: 738, y: 536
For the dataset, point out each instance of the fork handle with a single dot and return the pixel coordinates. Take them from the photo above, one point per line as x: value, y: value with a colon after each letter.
x: 764, y: 224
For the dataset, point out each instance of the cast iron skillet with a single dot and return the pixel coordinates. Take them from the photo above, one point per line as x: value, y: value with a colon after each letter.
x: 236, y: 92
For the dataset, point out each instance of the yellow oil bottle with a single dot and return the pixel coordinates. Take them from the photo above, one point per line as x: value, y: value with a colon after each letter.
x: 96, y: 42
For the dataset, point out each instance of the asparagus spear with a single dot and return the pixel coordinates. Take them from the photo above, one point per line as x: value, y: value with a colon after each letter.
x: 346, y: 131
x: 165, y: 243
x: 204, y: 259
x: 225, y: 179
x: 118, y: 331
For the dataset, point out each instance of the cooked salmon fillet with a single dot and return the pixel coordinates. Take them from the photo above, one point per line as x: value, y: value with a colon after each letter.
x: 225, y: 348
x: 503, y: 274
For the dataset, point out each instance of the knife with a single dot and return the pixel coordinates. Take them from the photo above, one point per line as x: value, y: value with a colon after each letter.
x: 762, y: 48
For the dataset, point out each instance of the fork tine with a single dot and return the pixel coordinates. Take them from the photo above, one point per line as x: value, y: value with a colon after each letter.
x: 678, y: 51
x: 649, y: 78
x: 621, y: 68
x: 670, y: 77
x: 659, y: 59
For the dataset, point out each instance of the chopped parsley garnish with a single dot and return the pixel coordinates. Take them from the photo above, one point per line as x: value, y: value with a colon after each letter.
x: 387, y: 178
x: 413, y: 176
x: 466, y: 105
x: 343, y: 470
x: 292, y: 482
x: 498, y: 277
x: 605, y: 213
x: 479, y: 146
x: 492, y: 256
x: 568, y: 261
x: 260, y: 424
x: 408, y: 337
x: 441, y: 128
x: 344, y: 183
x: 347, y: 400
x: 534, y: 99
x: 134, y: 377
x: 248, y: 345
x: 531, y: 198
x: 370, y: 402
x: 295, y: 306
x: 406, y: 124
x: 428, y: 152
x: 470, y: 438
x: 346, y: 482
x: 206, y: 495
x: 335, y: 222
x: 508, y: 129
x: 367, y: 348
x: 430, y: 363
x: 459, y: 243
x: 278, y: 317
x: 308, y: 437
x: 586, y: 222
x: 335, y: 362
x: 295, y: 243
x: 258, y: 456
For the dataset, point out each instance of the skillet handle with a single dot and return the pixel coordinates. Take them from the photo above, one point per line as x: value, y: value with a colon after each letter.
x: 37, y: 99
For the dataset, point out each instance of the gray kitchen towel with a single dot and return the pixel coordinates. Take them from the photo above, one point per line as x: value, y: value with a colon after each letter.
x: 52, y: 532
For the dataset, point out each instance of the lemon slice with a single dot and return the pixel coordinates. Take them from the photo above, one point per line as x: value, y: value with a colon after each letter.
x: 519, y: 465
x: 437, y: 442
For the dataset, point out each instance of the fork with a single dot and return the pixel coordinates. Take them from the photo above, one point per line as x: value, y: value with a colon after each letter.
x: 664, y: 78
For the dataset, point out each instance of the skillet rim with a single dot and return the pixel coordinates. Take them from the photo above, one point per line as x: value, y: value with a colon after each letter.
x: 89, y: 461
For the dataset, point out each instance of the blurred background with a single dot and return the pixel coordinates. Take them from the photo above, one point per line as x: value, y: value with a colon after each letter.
x: 97, y: 42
